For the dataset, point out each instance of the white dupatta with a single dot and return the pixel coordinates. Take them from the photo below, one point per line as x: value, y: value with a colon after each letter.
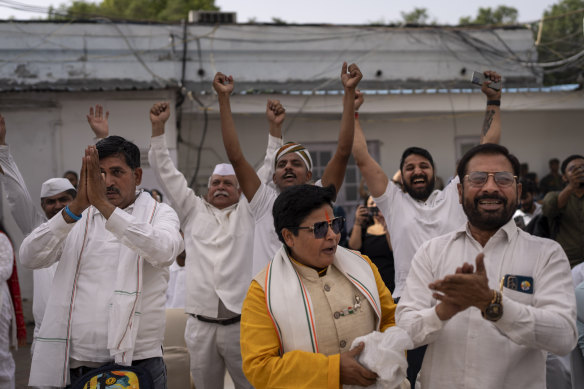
x: 50, y: 363
x: 289, y: 303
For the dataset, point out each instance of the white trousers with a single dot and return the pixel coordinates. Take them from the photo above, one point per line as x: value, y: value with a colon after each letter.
x: 212, y: 348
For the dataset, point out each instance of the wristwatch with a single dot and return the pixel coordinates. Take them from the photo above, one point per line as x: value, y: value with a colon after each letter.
x: 494, y: 310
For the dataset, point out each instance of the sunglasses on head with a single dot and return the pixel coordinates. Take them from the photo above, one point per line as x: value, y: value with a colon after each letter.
x: 321, y: 228
x: 502, y: 179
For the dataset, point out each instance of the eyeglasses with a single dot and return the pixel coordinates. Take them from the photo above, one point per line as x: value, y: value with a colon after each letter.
x: 320, y: 229
x: 502, y: 179
x: 575, y: 167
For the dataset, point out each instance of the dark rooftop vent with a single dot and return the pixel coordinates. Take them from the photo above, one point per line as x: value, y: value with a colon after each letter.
x: 212, y: 17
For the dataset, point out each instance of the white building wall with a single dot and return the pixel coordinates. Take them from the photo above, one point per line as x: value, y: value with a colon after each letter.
x: 47, y: 134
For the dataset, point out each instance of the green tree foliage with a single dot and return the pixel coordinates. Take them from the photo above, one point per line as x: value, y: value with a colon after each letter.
x: 562, y: 36
x: 417, y: 16
x: 278, y: 21
x: 155, y: 10
x: 500, y: 15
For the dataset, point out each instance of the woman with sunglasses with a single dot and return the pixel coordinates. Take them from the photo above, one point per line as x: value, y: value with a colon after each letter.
x: 305, y: 308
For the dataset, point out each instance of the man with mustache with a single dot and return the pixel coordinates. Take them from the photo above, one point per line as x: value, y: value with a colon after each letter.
x: 418, y: 213
x: 293, y: 164
x: 528, y: 207
x: 113, y: 245
x: 218, y: 236
x: 488, y: 326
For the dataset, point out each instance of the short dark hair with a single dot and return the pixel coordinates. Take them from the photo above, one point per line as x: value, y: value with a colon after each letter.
x: 528, y: 186
x: 295, y: 203
x: 568, y: 160
x: 489, y: 149
x: 418, y: 151
x: 554, y: 160
x: 70, y: 172
x: 116, y: 145
x: 72, y: 192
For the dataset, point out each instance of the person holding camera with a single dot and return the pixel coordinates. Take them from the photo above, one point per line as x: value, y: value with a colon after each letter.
x: 565, y: 209
x: 371, y: 238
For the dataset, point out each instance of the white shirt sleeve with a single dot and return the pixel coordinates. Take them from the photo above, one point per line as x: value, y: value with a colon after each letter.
x: 547, y: 318
x: 44, y: 245
x: 385, y: 201
x: 158, y: 243
x: 174, y: 184
x: 260, y: 203
x: 416, y: 311
x: 22, y: 208
x: 266, y: 171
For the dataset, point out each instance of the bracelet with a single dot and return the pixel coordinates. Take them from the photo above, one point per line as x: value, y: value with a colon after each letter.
x: 494, y: 102
x: 71, y: 214
x: 356, y: 115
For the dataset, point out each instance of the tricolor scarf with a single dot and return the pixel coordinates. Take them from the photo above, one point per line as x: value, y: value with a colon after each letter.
x: 289, y: 304
x: 297, y: 148
x: 50, y: 363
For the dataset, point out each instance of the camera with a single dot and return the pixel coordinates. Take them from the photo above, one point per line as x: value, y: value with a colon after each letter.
x: 478, y: 78
x: 373, y: 211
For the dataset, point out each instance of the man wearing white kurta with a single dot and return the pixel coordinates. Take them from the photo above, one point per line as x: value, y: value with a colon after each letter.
x: 293, y: 164
x: 113, y: 245
x: 218, y: 233
x: 489, y: 328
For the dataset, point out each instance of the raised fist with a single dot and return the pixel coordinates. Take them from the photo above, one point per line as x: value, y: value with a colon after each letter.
x: 223, y: 84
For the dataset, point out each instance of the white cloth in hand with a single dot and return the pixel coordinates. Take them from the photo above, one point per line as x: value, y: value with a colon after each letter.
x: 384, y: 354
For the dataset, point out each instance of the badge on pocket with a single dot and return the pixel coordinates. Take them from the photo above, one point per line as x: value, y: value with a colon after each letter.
x: 523, y: 284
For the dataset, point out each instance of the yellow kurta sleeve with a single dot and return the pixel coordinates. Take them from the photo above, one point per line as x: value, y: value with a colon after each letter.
x: 387, y: 304
x: 262, y: 364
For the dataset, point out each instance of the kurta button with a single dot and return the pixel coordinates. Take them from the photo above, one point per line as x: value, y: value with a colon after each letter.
x: 337, y: 315
x: 327, y: 288
x: 343, y: 344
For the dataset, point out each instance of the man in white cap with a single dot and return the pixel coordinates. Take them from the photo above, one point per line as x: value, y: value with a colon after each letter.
x: 56, y: 193
x: 218, y: 238
x: 293, y: 165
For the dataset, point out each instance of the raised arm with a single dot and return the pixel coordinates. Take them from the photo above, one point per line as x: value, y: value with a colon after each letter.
x: 275, y: 113
x: 491, y: 131
x: 172, y: 181
x: 98, y: 121
x: 334, y: 173
x: 374, y: 176
x: 246, y: 175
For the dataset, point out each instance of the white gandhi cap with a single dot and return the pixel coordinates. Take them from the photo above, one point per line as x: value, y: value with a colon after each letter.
x: 55, y: 186
x: 224, y: 169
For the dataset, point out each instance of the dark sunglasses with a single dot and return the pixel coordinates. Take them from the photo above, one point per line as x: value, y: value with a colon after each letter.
x: 502, y: 179
x: 321, y: 228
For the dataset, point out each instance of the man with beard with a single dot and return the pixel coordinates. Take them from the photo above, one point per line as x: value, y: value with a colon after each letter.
x: 293, y: 164
x: 489, y: 327
x: 418, y: 213
x: 528, y: 208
